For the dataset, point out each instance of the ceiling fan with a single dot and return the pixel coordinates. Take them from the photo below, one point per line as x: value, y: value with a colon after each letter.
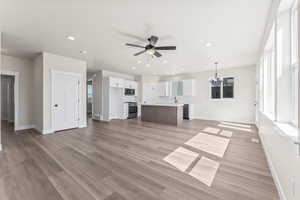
x: 151, y: 48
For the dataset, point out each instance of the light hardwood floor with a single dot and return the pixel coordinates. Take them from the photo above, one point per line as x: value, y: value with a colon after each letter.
x: 124, y: 160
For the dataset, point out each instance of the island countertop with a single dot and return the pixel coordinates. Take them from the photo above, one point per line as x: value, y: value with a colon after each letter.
x: 163, y: 104
x: 162, y: 113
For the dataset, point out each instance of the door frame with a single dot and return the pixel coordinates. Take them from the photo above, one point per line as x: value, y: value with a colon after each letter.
x: 78, y: 75
x: 16, y: 95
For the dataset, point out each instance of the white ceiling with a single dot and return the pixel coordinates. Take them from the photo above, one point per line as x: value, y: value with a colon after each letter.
x: 102, y: 27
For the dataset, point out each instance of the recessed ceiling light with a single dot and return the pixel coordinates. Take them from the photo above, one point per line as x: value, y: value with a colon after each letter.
x: 139, y: 62
x: 69, y: 37
x: 83, y: 52
x: 208, y: 44
x: 165, y: 61
x: 148, y: 65
x: 133, y: 68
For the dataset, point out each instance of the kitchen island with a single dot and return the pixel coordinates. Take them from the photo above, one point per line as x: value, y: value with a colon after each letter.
x: 162, y: 113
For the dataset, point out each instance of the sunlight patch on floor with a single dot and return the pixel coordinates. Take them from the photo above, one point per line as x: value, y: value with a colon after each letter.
x: 235, y: 128
x: 226, y: 133
x: 237, y: 124
x: 181, y: 158
x: 208, y: 143
x: 205, y: 170
x: 211, y: 130
x: 254, y: 140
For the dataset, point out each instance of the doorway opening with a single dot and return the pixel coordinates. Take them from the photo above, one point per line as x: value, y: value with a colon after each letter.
x: 7, y: 103
x: 89, y: 99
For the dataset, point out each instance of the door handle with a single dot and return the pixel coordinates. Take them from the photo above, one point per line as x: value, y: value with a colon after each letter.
x: 55, y: 105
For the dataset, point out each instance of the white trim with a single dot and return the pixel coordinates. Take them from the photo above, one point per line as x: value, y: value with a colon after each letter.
x: 83, y: 126
x: 47, y: 131
x: 78, y: 75
x: 16, y: 93
x: 0, y: 147
x: 38, y: 129
x: 274, y: 173
x: 221, y: 91
x: 24, y: 127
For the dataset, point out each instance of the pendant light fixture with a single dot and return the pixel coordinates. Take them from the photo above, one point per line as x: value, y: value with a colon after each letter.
x: 216, y: 80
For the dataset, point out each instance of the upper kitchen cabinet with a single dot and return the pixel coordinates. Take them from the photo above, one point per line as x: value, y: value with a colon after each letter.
x: 177, y: 88
x: 116, y: 82
x: 163, y: 89
x: 183, y: 87
x: 188, y: 87
x: 130, y: 84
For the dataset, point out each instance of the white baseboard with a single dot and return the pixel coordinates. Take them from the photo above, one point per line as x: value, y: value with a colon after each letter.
x: 82, y: 126
x: 47, y: 131
x: 43, y: 131
x: 274, y: 173
x: 24, y: 127
x: 38, y: 129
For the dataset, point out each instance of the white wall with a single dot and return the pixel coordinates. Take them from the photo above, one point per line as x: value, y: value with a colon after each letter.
x: 239, y: 109
x: 25, y: 69
x: 61, y: 63
x: 37, y: 86
x: 283, y: 157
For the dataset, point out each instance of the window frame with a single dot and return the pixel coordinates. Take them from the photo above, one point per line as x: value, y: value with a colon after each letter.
x: 294, y: 41
x: 221, y: 91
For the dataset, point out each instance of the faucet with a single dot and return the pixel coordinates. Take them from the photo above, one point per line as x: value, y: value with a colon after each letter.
x: 175, y: 100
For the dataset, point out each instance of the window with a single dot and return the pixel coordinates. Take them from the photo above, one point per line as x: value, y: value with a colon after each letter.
x: 223, y: 91
x: 261, y: 85
x: 268, y: 76
x: 294, y: 62
x: 90, y: 91
x: 216, y: 92
x: 228, y: 87
x: 279, y: 66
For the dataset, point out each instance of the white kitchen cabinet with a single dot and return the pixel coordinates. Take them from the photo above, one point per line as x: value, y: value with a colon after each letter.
x: 149, y: 93
x: 183, y: 87
x: 116, y: 82
x: 177, y: 88
x: 125, y: 111
x: 188, y: 87
x: 134, y: 85
x: 130, y: 84
x: 163, y: 89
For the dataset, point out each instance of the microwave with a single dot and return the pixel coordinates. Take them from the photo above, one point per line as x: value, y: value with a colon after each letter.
x: 129, y: 92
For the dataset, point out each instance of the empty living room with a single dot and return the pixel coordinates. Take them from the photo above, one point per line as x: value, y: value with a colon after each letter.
x: 149, y: 100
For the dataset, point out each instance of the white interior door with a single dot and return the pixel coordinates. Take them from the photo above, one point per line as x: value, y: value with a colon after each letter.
x: 65, y: 101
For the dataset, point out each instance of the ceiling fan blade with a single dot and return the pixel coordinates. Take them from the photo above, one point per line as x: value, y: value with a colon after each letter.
x: 166, y: 48
x: 157, y: 54
x: 139, y: 53
x: 129, y: 35
x: 153, y: 40
x: 134, y: 45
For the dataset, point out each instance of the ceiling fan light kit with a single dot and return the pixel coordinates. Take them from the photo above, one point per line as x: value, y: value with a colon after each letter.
x: 150, y: 48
